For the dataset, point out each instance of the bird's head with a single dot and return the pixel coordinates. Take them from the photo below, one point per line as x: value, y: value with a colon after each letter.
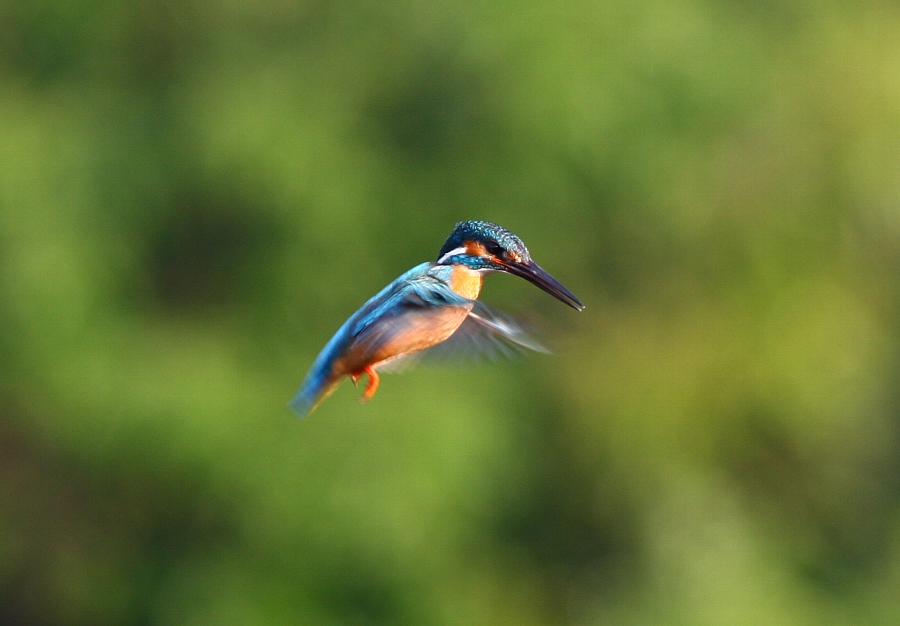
x: 486, y: 247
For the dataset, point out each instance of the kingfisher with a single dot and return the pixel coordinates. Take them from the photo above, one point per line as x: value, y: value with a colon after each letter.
x: 431, y: 309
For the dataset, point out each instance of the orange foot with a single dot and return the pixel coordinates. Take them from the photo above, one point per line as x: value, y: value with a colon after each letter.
x: 371, y: 387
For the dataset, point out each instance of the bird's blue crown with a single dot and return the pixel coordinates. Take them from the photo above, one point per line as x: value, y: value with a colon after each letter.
x: 496, y: 240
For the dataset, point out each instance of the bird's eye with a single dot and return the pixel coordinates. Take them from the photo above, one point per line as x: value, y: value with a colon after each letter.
x: 494, y: 249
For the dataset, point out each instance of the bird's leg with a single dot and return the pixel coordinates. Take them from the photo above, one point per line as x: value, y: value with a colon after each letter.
x: 372, y: 386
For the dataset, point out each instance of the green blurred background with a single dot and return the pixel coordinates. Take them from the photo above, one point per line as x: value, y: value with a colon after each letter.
x: 195, y: 194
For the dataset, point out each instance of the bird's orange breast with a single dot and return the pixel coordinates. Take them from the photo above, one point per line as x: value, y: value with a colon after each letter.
x: 410, y: 332
x: 466, y: 282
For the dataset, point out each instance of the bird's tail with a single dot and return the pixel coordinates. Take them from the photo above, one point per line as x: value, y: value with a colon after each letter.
x: 312, y: 393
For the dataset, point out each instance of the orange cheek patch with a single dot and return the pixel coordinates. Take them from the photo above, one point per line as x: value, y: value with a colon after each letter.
x: 475, y: 248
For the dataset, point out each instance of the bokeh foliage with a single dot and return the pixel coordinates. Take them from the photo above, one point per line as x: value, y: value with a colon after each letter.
x: 194, y: 195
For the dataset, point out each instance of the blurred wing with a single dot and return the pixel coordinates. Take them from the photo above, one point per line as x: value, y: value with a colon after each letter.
x: 485, y: 333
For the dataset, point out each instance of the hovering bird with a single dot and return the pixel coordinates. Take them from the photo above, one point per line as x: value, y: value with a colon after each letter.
x: 431, y: 308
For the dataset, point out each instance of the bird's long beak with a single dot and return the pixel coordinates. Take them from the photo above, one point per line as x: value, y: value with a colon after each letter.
x: 534, y: 273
